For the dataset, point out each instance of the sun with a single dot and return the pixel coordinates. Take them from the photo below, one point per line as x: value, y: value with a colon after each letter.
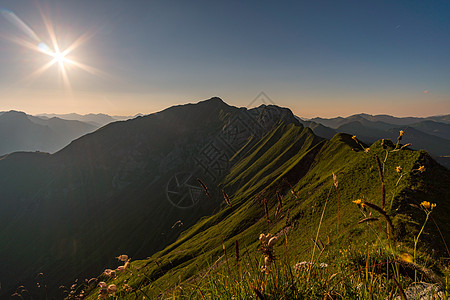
x: 60, y: 58
x: 57, y: 56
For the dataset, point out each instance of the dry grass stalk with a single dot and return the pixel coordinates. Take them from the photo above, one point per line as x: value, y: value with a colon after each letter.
x: 204, y: 187
x: 383, y: 213
x: 294, y: 192
x: 383, y: 188
x: 335, y: 181
x: 236, y: 250
x: 227, y: 199
x: 266, y: 210
x: 259, y: 294
x: 280, y: 205
x: 371, y: 219
x: 402, y: 292
x: 287, y: 223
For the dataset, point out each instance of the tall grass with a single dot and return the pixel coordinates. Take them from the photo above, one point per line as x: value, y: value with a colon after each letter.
x: 273, y: 267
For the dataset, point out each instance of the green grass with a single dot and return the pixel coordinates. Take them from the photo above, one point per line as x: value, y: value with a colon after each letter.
x: 363, y: 259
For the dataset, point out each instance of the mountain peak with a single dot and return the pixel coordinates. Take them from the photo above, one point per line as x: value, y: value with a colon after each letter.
x: 214, y: 101
x: 14, y: 113
x: 14, y: 116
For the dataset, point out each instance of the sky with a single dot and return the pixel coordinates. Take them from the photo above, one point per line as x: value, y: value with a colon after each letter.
x: 319, y: 58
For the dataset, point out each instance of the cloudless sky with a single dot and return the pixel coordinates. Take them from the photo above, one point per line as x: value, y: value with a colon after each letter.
x: 319, y: 58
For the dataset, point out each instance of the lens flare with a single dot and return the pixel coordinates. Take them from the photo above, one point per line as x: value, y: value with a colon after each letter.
x: 34, y: 42
x: 21, y: 25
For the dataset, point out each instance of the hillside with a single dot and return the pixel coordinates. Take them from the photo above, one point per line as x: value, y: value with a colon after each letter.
x: 131, y: 188
x: 298, y: 166
x: 22, y: 132
x: 107, y: 190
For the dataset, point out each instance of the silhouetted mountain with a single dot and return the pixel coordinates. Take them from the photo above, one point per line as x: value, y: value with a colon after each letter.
x: 434, y: 128
x: 332, y: 122
x: 368, y: 134
x: 21, y: 132
x: 120, y: 189
x: 368, y: 123
x: 319, y: 129
x: 391, y: 120
x: 366, y: 120
x: 97, y: 120
x: 339, y: 121
x: 442, y: 119
x: 420, y: 140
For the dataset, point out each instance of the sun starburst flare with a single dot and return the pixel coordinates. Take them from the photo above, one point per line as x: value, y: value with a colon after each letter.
x: 58, y: 57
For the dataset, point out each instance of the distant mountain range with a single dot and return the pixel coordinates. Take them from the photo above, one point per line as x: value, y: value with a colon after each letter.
x: 431, y: 134
x: 338, y: 121
x: 22, y: 132
x: 46, y: 133
x: 94, y: 119
x: 52, y: 132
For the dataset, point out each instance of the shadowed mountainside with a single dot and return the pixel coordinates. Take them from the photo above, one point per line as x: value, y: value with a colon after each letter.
x: 120, y: 188
x: 131, y: 187
x: 291, y: 164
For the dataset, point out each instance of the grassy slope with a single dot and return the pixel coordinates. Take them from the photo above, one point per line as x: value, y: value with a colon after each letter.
x: 292, y: 161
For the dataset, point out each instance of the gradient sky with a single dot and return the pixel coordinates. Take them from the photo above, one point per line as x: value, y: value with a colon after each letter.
x: 320, y: 58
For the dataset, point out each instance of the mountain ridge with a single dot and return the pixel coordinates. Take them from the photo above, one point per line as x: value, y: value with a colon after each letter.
x: 254, y: 202
x: 69, y: 195
x: 130, y: 187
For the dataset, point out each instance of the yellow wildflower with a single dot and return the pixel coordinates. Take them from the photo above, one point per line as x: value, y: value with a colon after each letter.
x: 401, y: 133
x: 425, y: 204
x: 367, y: 150
x: 354, y: 137
x: 360, y: 203
x: 428, y: 205
x: 406, y: 257
x: 398, y: 169
x: 421, y: 169
x: 357, y: 202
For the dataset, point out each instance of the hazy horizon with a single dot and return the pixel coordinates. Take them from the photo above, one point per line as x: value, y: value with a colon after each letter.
x: 301, y: 116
